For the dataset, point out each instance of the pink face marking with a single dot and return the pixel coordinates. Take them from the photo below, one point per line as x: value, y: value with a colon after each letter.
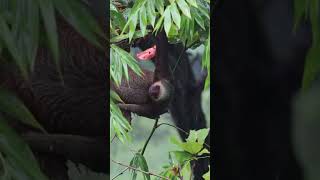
x: 147, y: 54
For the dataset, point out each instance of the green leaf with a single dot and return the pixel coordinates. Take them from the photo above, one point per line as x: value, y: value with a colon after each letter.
x: 198, y: 18
x: 159, y: 6
x: 206, y: 61
x: 127, y: 58
x: 206, y: 176
x: 9, y: 41
x: 204, y: 11
x: 151, y: 12
x: 137, y: 34
x: 184, y: 8
x: 143, y: 165
x: 143, y: 20
x: 182, y: 156
x: 13, y: 107
x: 202, y: 134
x: 299, y: 11
x: 204, y: 151
x: 158, y: 25
x: 31, y: 38
x: 132, y: 25
x: 315, y: 21
x: 167, y: 20
x: 191, y: 29
x: 115, y: 96
x: 311, y: 67
x: 48, y: 14
x: 83, y: 22
x: 192, y: 147
x: 194, y: 142
x: 175, y: 14
x: 193, y: 3
x: 134, y: 163
x: 137, y: 6
x: 118, y: 19
x: 17, y: 150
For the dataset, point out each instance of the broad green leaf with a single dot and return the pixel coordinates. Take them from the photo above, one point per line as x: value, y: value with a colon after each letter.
x: 175, y: 14
x: 13, y: 107
x: 184, y: 8
x: 204, y: 151
x: 182, y: 156
x: 17, y: 150
x: 202, y: 134
x: 186, y: 171
x: 194, y: 142
x: 206, y: 176
x: 192, y: 147
x: 167, y: 20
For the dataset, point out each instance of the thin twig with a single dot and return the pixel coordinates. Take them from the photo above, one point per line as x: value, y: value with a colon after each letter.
x: 136, y: 169
x: 151, y: 134
x: 124, y: 170
x: 183, y: 50
x: 113, y: 138
x: 180, y: 129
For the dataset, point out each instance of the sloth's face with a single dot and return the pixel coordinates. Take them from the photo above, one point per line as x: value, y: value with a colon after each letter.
x: 160, y: 90
x: 154, y: 91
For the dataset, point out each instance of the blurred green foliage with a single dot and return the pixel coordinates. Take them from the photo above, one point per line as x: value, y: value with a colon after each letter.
x: 159, y: 146
x: 24, y: 26
x: 306, y: 130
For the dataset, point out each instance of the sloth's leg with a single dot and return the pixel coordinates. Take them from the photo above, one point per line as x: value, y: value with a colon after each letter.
x: 146, y: 110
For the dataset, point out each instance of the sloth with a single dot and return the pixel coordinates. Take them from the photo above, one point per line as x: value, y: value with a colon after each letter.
x: 148, y: 95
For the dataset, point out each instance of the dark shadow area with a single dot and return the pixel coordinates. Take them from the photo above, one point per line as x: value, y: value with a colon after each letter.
x: 258, y: 66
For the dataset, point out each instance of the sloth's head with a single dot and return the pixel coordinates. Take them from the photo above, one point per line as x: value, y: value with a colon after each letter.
x: 160, y: 91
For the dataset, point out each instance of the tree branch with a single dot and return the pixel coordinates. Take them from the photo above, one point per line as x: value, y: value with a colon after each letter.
x: 152, y: 131
x: 136, y: 169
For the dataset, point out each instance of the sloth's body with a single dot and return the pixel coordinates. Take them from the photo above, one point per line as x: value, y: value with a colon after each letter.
x: 148, y: 95
x: 143, y: 96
